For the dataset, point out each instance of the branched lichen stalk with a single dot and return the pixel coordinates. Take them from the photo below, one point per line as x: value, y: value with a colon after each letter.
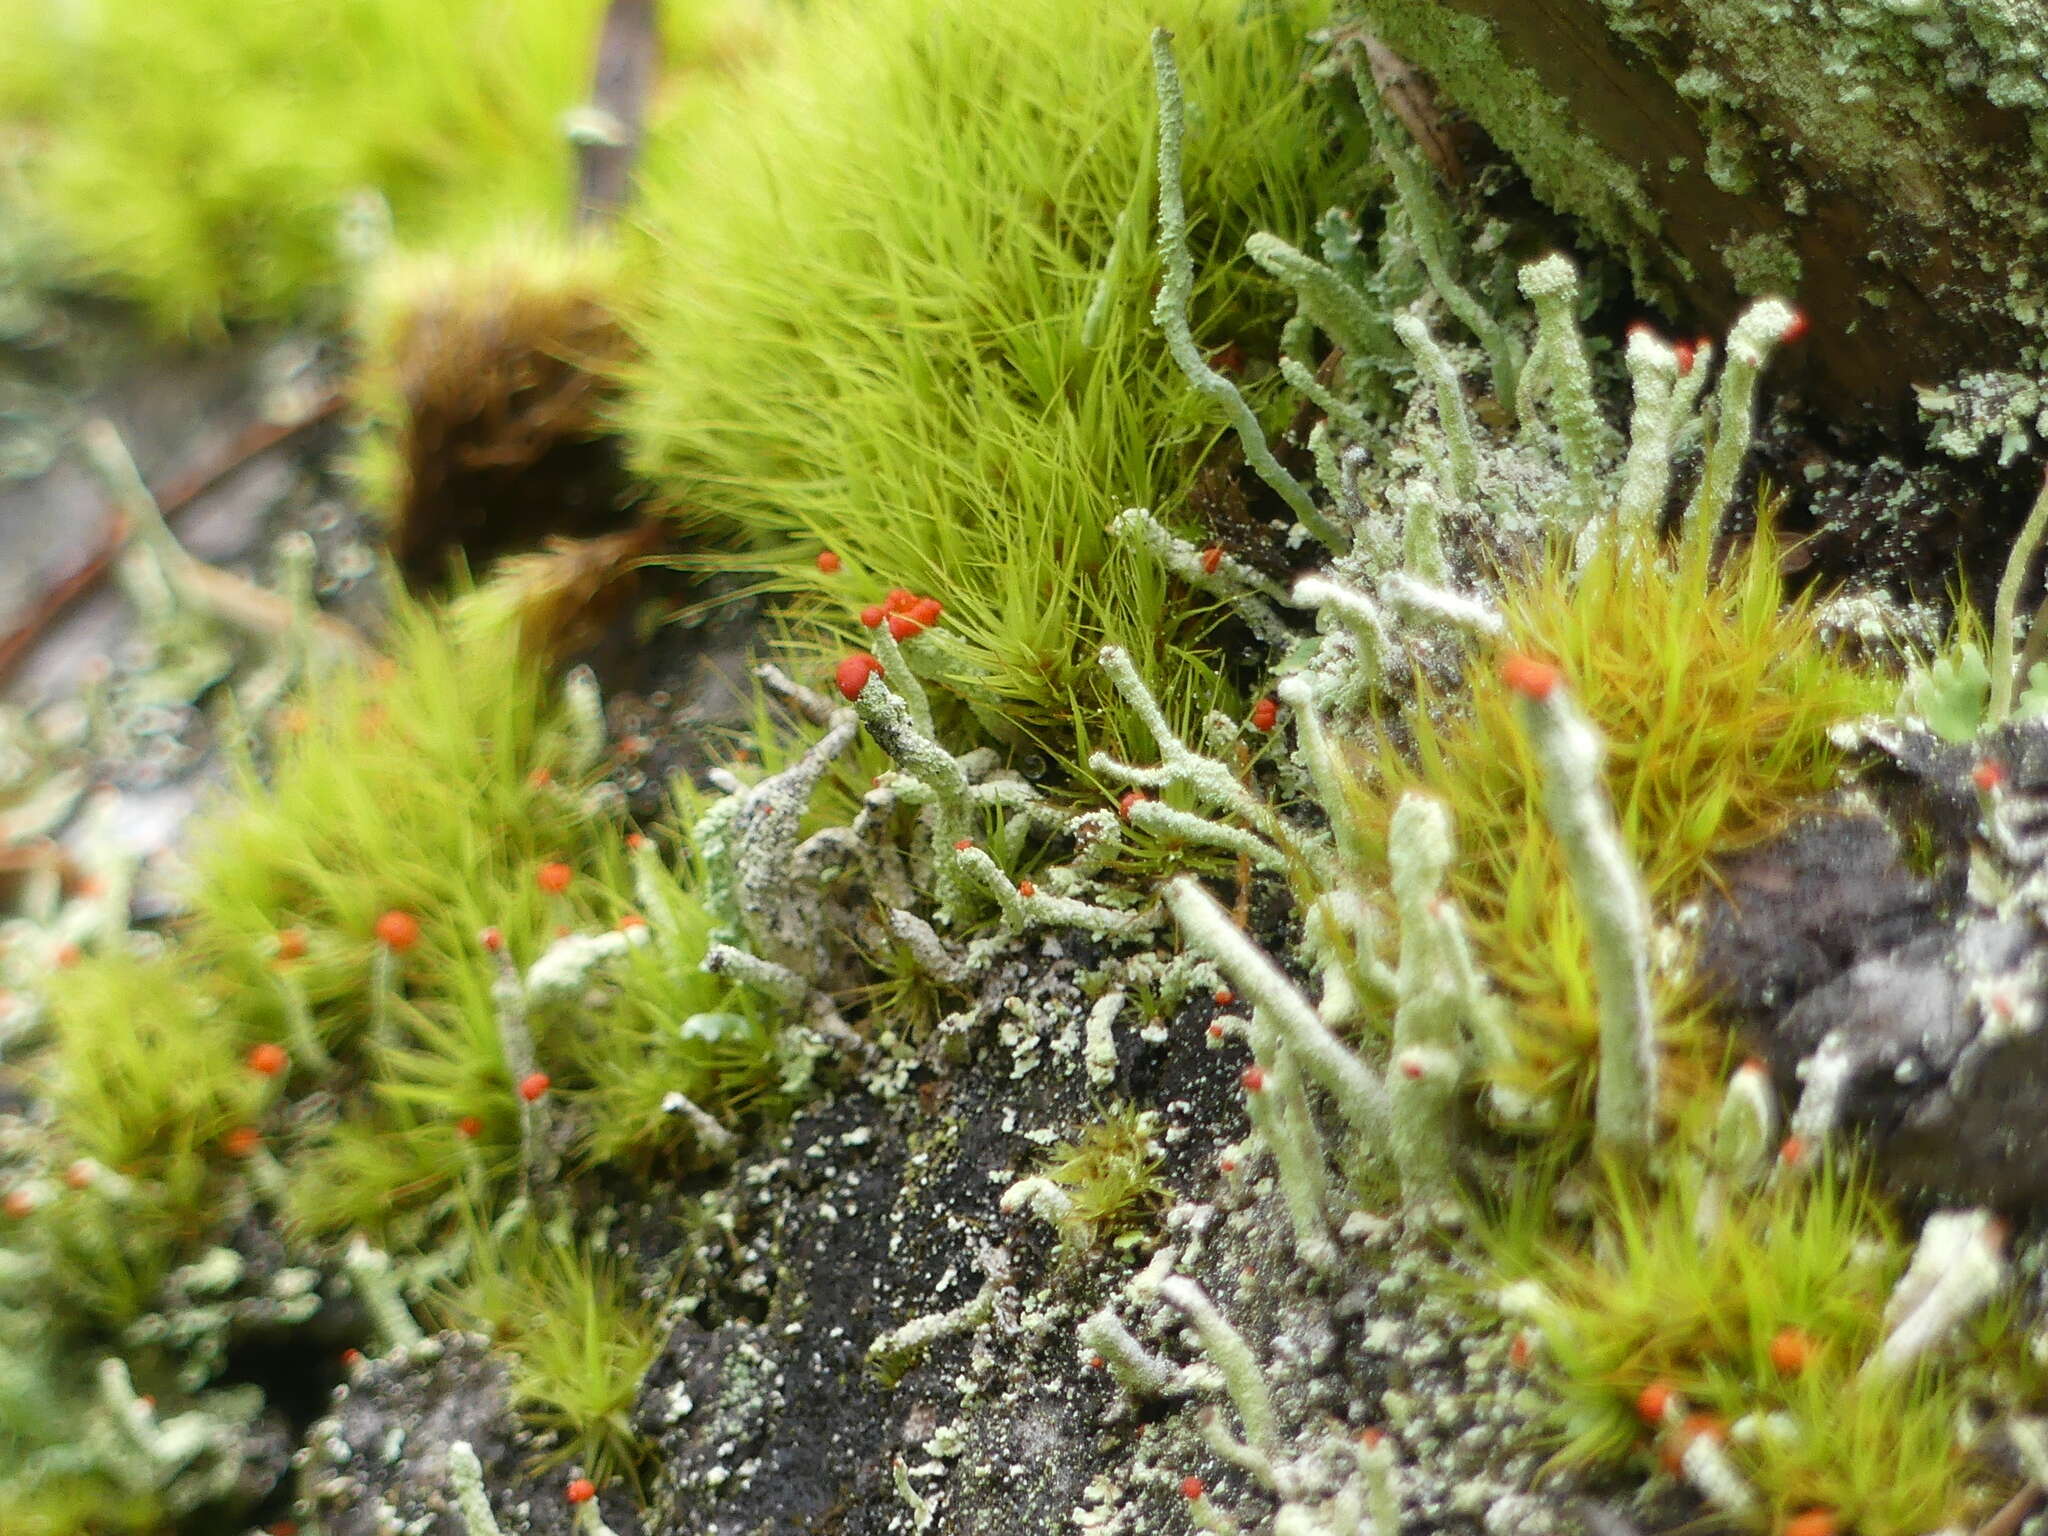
x: 1666, y: 387
x: 1611, y: 901
x: 1361, y: 1098
x: 1233, y: 1359
x: 1433, y: 365
x: 2005, y: 617
x: 1136, y: 1369
x: 369, y: 1270
x: 1552, y: 285
x: 1248, y: 590
x: 1750, y: 342
x: 1280, y: 1114
x: 1958, y: 1266
x: 1176, y: 290
x: 1430, y: 225
x: 1302, y: 379
x: 1207, y: 777
x: 467, y: 1474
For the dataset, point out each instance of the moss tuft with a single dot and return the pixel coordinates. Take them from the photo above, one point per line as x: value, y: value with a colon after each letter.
x: 1111, y: 1173
x: 1714, y: 695
x: 901, y: 315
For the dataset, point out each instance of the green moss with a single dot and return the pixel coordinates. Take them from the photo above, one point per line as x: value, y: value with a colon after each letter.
x: 1806, y: 1265
x: 578, y: 1333
x: 211, y: 159
x: 1111, y: 1173
x: 900, y: 313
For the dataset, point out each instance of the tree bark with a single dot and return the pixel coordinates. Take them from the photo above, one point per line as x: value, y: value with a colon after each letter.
x: 1879, y: 161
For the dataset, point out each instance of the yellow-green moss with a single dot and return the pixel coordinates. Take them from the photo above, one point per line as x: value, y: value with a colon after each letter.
x: 1714, y: 695
x: 218, y: 159
x: 870, y: 327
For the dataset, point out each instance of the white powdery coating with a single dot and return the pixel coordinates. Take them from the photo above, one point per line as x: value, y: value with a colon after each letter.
x: 565, y: 966
x: 1231, y: 1355
x: 467, y: 1474
x: 1957, y: 1267
x: 1749, y: 1117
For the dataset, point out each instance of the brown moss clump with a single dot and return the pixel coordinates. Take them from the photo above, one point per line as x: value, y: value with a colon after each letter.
x: 485, y: 382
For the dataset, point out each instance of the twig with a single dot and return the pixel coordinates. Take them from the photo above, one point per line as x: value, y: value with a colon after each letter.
x: 2014, y: 1513
x: 607, y: 134
x: 228, y: 597
x: 259, y: 438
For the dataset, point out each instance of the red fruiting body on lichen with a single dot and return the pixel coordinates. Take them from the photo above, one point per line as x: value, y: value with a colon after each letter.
x: 241, y: 1141
x: 1700, y: 1426
x: 1226, y: 1164
x: 581, y: 1489
x: 1216, y: 1031
x: 1253, y: 1078
x: 1684, y: 354
x: 1520, y: 1351
x: 1531, y: 678
x: 1192, y: 1488
x: 1026, y: 888
x: 871, y: 616
x: 1211, y: 558
x: 1792, y: 1149
x: 1987, y: 775
x: 398, y: 931
x: 926, y: 611
x: 854, y: 673
x: 1265, y: 714
x: 533, y: 1085
x: 1812, y: 1522
x: 79, y: 1175
x: 554, y: 878
x: 1795, y: 328
x: 904, y: 626
x: 631, y: 922
x: 291, y: 943
x: 268, y: 1059
x: 963, y: 845
x: 1127, y: 799
x: 1791, y: 1351
x: 1225, y: 997
x: 66, y: 956
x: 491, y: 939
x: 635, y: 841
x: 827, y: 561
x: 1653, y: 1402
x: 469, y: 1127
x: 19, y: 1204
